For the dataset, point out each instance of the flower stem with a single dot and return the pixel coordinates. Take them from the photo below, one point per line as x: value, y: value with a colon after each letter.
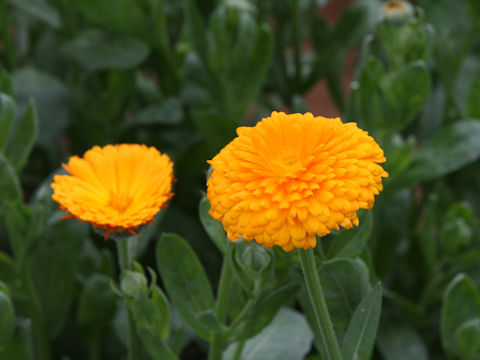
x: 322, y: 317
x: 218, y: 343
x: 125, y: 264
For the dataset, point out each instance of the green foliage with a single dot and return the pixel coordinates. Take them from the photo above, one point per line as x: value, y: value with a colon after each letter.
x: 362, y: 330
x: 185, y: 280
x: 182, y: 75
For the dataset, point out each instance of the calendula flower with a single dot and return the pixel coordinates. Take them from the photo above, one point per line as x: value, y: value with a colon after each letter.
x: 116, y: 187
x: 292, y: 177
x: 396, y: 11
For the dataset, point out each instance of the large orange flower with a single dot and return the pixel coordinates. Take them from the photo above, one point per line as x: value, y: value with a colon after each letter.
x: 117, y: 187
x: 292, y: 177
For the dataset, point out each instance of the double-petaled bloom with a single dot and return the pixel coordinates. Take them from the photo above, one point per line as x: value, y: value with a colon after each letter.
x: 292, y: 177
x: 116, y: 187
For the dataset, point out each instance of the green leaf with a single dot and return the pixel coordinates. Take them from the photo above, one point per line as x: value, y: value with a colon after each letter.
x: 350, y: 243
x: 474, y: 7
x: 152, y: 318
x: 40, y: 9
x: 355, y: 21
x: 150, y: 310
x: 287, y: 337
x: 51, y: 100
x: 8, y: 273
x: 51, y: 268
x: 10, y: 190
x: 20, y: 346
x: 168, y: 112
x: 461, y: 304
x: 345, y: 282
x: 7, y: 317
x: 97, y: 50
x: 6, y: 85
x: 23, y: 139
x: 266, y: 307
x: 185, y: 280
x: 209, y: 318
x: 7, y: 117
x: 366, y: 94
x: 123, y: 16
x: 362, y: 331
x: 398, y: 342
x: 448, y: 150
x: 97, y: 303
x: 213, y: 227
x: 196, y: 29
x: 467, y: 338
x: 473, y: 100
x: 406, y: 91
x: 252, y: 70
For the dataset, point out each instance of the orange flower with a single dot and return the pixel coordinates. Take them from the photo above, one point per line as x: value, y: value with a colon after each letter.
x: 292, y: 177
x: 117, y: 187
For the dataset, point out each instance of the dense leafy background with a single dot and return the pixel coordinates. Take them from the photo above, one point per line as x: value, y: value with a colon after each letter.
x: 181, y: 75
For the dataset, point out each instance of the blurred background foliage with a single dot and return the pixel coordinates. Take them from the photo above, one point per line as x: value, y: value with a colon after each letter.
x: 181, y: 75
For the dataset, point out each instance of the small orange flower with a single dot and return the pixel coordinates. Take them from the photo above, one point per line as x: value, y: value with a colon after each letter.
x: 292, y: 177
x: 116, y: 187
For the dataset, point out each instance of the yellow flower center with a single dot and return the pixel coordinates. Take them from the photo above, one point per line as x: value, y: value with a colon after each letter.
x: 119, y: 202
x: 288, y: 162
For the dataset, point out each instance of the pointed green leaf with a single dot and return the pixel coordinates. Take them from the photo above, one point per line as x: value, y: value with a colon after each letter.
x: 122, y: 16
x: 6, y: 84
x: 265, y: 309
x: 97, y: 50
x: 10, y: 190
x: 40, y: 9
x: 467, y: 338
x: 7, y: 318
x: 51, y: 102
x: 197, y: 31
x: 23, y: 139
x: 51, y: 269
x: 350, y: 243
x: 169, y: 112
x: 7, y: 117
x: 185, y: 280
x: 287, y: 337
x: 473, y: 100
x: 406, y: 91
x: 97, y: 303
x: 399, y: 342
x: 213, y: 227
x: 362, y: 331
x: 450, y: 149
x: 461, y: 304
x: 20, y: 345
x: 8, y: 273
x: 345, y: 282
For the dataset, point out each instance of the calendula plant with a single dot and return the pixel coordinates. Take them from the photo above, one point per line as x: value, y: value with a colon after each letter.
x: 285, y: 239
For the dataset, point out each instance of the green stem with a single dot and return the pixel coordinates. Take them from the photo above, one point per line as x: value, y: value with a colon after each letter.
x: 239, y: 350
x: 224, y: 286
x: 322, y: 317
x: 218, y: 342
x: 42, y: 343
x: 94, y: 351
x: 125, y: 264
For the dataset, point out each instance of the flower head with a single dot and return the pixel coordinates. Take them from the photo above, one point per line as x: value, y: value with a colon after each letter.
x: 396, y: 11
x: 116, y: 187
x: 292, y: 177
